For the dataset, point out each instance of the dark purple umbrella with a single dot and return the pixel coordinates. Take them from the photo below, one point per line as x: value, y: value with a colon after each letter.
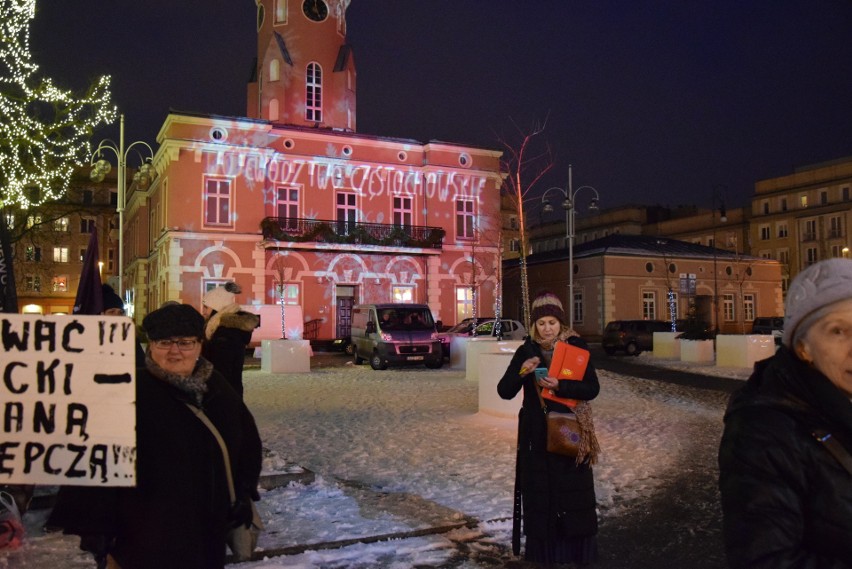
x: 89, y: 295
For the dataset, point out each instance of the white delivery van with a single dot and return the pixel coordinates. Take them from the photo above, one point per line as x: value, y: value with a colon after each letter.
x: 395, y: 334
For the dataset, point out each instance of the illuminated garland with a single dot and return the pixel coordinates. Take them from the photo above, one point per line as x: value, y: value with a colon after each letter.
x: 44, y: 131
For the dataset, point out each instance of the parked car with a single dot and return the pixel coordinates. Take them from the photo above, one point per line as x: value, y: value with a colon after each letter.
x: 510, y: 330
x: 632, y: 336
x: 395, y: 334
x: 769, y: 325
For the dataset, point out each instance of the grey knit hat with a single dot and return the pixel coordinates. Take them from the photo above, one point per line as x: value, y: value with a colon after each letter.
x: 813, y: 289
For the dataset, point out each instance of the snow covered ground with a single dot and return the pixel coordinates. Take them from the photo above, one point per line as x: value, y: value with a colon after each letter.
x: 399, y: 453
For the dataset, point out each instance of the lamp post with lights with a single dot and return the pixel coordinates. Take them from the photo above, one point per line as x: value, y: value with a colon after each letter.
x: 101, y: 167
x: 569, y: 205
x: 717, y: 204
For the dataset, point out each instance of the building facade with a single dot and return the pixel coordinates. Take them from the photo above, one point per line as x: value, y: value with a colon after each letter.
x: 298, y: 209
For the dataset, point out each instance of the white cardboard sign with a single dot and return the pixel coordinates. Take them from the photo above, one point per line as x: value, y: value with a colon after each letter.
x: 67, y: 400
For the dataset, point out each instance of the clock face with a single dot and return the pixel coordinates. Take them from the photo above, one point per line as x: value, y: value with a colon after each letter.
x: 315, y: 10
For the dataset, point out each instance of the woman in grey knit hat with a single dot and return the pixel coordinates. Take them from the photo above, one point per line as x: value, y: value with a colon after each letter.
x: 784, y: 460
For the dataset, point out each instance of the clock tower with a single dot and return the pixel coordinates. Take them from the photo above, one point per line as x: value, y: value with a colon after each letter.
x: 305, y: 71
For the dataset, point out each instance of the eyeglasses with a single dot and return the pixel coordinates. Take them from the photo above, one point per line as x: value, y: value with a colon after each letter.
x: 182, y: 344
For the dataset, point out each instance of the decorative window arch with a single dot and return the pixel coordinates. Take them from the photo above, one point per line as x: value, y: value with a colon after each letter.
x: 313, y: 92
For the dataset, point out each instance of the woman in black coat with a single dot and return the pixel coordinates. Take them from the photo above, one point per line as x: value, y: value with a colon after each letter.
x: 179, y: 513
x: 554, y: 494
x: 227, y: 333
x: 785, y: 468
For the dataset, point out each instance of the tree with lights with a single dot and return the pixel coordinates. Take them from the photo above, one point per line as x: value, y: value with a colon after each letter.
x: 44, y: 132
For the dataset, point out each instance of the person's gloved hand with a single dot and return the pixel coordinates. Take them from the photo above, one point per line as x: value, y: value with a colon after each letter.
x: 241, y: 513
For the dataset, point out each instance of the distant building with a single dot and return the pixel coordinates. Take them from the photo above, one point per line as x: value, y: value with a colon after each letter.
x: 622, y: 277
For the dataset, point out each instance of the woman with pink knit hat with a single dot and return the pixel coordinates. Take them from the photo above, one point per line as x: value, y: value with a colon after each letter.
x: 554, y: 494
x: 227, y: 332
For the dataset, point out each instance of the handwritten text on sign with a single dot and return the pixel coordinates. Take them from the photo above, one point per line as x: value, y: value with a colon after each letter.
x: 67, y: 400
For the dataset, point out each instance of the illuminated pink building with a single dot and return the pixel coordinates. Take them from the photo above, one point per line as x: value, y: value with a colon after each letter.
x: 291, y: 200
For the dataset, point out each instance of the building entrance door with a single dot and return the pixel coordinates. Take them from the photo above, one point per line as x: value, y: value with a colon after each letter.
x: 345, y: 302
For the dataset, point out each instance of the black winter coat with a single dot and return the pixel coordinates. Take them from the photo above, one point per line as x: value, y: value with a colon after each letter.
x: 226, y: 348
x: 558, y: 496
x: 786, y: 501
x: 177, y: 515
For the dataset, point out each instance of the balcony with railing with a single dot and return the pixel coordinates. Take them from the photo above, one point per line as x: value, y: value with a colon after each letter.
x: 301, y: 230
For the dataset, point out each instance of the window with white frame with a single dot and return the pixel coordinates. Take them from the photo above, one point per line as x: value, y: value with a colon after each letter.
x: 783, y: 204
x: 10, y: 221
x: 402, y: 293
x: 765, y: 206
x: 280, y: 11
x: 464, y: 303
x: 764, y: 232
x: 402, y: 211
x: 291, y: 293
x: 837, y: 251
x: 87, y: 225
x: 33, y: 253
x: 748, y: 307
x: 60, y: 283
x: 346, y: 212
x: 313, y: 94
x: 60, y: 224
x: 782, y: 228
x: 811, y: 256
x: 823, y: 198
x: 513, y: 223
x: 60, y: 254
x: 82, y: 256
x: 287, y: 207
x: 649, y: 305
x: 464, y: 219
x: 514, y: 245
x: 210, y: 284
x: 784, y: 255
x: 835, y: 226
x: 217, y: 202
x: 810, y: 232
x: 803, y: 201
x: 578, y: 305
x: 32, y: 283
x: 728, y: 308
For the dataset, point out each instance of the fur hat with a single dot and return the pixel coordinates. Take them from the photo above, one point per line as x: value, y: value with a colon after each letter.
x: 221, y: 296
x: 111, y: 299
x: 815, y: 288
x: 174, y: 321
x: 547, y: 304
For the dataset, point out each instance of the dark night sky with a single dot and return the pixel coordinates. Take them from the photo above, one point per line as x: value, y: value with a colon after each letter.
x: 652, y: 102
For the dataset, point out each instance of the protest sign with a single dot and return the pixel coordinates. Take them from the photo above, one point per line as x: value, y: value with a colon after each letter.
x: 67, y: 400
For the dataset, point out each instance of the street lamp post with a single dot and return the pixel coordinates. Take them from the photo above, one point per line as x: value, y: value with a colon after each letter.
x: 569, y: 205
x: 716, y: 198
x: 101, y: 167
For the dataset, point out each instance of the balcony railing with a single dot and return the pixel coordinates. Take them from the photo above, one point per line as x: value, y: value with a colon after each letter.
x: 300, y: 230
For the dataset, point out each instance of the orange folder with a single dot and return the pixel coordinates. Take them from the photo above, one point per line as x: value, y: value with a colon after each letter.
x: 569, y: 363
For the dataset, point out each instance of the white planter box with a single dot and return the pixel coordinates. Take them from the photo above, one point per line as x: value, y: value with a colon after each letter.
x: 743, y: 351
x: 696, y: 350
x: 290, y: 356
x: 666, y: 345
x: 478, y: 346
x: 492, y: 367
x: 459, y: 351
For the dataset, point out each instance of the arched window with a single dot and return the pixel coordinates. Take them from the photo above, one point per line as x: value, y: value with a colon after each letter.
x: 313, y: 94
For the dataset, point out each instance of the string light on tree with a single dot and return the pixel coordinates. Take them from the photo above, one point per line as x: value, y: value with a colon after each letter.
x: 44, y: 131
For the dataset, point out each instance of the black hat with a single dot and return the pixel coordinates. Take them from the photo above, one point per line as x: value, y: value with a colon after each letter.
x: 173, y: 321
x: 111, y: 299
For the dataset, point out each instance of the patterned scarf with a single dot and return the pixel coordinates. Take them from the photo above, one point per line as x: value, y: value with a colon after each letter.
x: 194, y: 384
